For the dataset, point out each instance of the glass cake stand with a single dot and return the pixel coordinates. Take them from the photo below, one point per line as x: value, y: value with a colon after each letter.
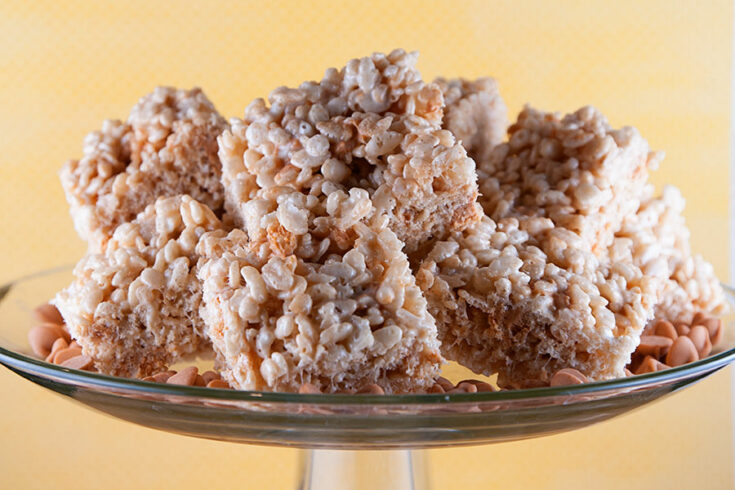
x: 337, y: 429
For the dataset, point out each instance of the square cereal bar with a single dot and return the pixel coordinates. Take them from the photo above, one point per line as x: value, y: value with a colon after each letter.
x: 371, y: 127
x: 134, y: 308
x: 167, y: 147
x: 341, y: 323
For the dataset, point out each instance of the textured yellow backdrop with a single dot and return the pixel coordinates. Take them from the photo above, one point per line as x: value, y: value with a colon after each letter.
x: 65, y: 66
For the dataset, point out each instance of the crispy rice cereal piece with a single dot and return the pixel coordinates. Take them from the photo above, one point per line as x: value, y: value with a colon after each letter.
x: 372, y: 127
x: 167, y: 147
x: 475, y: 114
x: 135, y: 308
x: 575, y: 170
x: 657, y: 231
x: 523, y: 299
x: 344, y: 323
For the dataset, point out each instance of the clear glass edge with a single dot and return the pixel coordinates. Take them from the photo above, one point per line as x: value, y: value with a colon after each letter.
x: 34, y: 366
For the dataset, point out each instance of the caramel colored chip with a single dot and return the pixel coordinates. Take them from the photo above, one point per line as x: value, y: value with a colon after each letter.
x: 308, y: 389
x: 161, y: 377
x: 210, y: 376
x: 65, y: 354
x: 716, y: 337
x: 218, y: 383
x: 47, y: 313
x: 481, y: 385
x: 372, y: 389
x: 567, y: 376
x: 682, y: 328
x: 700, y: 338
x: 437, y: 388
x: 199, y: 381
x: 59, y: 344
x: 654, y: 345
x: 713, y: 325
x: 662, y: 328
x: 464, y: 387
x: 445, y: 383
x: 78, y: 362
x: 681, y: 352
x: 42, y: 338
x: 650, y: 365
x: 185, y: 377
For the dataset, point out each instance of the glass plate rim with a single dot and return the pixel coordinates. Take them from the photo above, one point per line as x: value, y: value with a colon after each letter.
x: 22, y: 362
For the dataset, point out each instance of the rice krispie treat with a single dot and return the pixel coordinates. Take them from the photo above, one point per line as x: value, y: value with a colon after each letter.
x: 372, y: 127
x: 575, y: 170
x: 345, y: 322
x: 524, y: 299
x: 167, y: 147
x: 657, y: 231
x: 134, y: 308
x: 475, y: 114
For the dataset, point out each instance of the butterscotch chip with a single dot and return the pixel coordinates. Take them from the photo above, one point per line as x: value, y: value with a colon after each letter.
x: 682, y: 328
x: 444, y: 383
x: 47, y: 313
x: 42, y: 338
x: 665, y: 329
x: 717, y: 336
x: 436, y: 388
x: 481, y: 385
x: 464, y: 387
x: 567, y: 376
x: 699, y: 336
x: 66, y: 354
x: 161, y: 377
x: 210, y: 376
x: 650, y: 365
x: 654, y: 345
x: 218, y: 383
x: 58, y: 345
x: 372, y: 389
x: 78, y: 362
x: 713, y: 324
x: 681, y: 352
x: 309, y: 389
x: 186, y: 377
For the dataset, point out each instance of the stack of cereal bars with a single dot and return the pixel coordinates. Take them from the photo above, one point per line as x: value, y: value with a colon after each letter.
x: 360, y: 230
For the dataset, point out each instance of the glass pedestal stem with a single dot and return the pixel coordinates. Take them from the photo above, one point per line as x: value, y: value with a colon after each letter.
x: 326, y: 469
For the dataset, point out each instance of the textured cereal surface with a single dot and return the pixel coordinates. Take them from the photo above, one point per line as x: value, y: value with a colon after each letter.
x: 657, y: 231
x: 524, y: 299
x: 475, y: 114
x: 531, y: 290
x: 343, y: 322
x: 168, y: 146
x: 576, y: 170
x: 366, y: 140
x: 135, y: 308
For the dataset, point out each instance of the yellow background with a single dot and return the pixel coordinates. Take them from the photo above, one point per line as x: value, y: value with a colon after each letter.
x: 65, y: 66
